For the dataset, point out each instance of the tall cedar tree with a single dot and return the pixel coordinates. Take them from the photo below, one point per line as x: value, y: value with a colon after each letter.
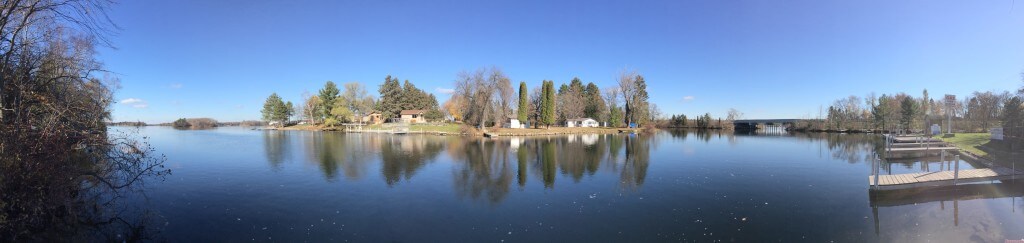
x: 549, y: 107
x: 524, y: 104
x: 327, y: 96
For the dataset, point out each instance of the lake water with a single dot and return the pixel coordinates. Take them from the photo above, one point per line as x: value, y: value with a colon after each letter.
x: 235, y: 184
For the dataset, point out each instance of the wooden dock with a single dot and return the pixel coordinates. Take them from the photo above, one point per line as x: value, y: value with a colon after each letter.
x: 912, y: 139
x: 900, y: 197
x: 943, y: 178
x: 920, y: 149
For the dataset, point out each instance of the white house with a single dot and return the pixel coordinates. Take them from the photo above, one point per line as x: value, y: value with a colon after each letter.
x: 581, y: 122
x: 514, y: 123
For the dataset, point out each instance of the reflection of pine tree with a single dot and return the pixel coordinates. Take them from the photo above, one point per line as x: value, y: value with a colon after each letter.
x: 402, y: 157
x: 275, y: 144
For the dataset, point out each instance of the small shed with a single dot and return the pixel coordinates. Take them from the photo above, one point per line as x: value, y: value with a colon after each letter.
x: 581, y: 122
x: 514, y: 123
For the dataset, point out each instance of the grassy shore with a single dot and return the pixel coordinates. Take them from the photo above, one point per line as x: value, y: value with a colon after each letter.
x: 970, y: 142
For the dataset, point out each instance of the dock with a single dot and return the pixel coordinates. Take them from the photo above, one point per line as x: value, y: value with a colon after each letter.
x: 918, y: 147
x: 943, y: 178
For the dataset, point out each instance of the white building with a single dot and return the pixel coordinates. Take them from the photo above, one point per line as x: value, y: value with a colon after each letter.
x: 581, y: 122
x: 514, y: 123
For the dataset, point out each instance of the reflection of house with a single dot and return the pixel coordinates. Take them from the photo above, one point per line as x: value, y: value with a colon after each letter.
x: 514, y: 123
x: 413, y: 116
x: 589, y: 139
x: 581, y: 122
x: 373, y: 118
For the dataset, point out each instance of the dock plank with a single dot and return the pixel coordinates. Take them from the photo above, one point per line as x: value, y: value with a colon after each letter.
x: 941, y: 177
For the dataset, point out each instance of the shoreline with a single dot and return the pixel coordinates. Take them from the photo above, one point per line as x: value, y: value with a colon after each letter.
x: 492, y: 132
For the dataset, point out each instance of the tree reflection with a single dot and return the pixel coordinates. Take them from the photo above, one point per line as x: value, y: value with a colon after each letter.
x: 487, y: 172
x: 638, y: 157
x: 402, y: 156
x: 337, y: 152
x: 275, y: 144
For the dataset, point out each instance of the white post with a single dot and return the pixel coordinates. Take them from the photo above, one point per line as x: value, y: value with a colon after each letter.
x: 942, y: 157
x: 956, y: 169
x: 878, y: 169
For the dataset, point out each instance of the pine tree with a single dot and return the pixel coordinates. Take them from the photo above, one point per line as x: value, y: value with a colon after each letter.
x: 289, y: 110
x: 524, y: 105
x: 274, y: 109
x: 327, y: 96
x: 390, y: 97
x: 639, y: 110
x: 594, y: 102
x: 909, y: 110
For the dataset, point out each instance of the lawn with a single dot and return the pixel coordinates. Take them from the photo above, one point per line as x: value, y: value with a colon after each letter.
x: 970, y: 142
x: 446, y: 127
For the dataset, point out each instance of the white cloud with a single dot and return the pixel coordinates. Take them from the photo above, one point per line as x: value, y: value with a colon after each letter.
x: 135, y: 103
x: 688, y: 98
x: 444, y: 90
x: 129, y: 101
x: 175, y: 86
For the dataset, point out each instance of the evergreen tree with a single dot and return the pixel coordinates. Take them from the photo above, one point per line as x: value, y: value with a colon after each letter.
x: 908, y: 110
x: 639, y: 109
x: 327, y: 96
x: 390, y: 98
x: 548, y: 103
x: 289, y: 110
x: 1013, y: 121
x: 882, y: 112
x: 615, y: 116
x: 524, y: 105
x: 274, y: 109
x: 595, y: 107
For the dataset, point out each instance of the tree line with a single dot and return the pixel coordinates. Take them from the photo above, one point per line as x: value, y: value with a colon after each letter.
x: 977, y: 112
x: 485, y: 98
x: 332, y: 106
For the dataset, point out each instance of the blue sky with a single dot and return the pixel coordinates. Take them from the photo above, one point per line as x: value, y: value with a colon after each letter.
x: 768, y: 59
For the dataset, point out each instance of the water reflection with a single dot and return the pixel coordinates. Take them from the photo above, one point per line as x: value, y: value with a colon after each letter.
x: 402, y: 156
x: 486, y: 170
x: 485, y: 166
x: 275, y: 145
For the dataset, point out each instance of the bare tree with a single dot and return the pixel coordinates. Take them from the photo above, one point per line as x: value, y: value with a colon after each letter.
x: 310, y: 107
x: 734, y: 114
x: 571, y: 103
x: 506, y: 96
x: 477, y: 89
x: 627, y: 88
x: 611, y: 97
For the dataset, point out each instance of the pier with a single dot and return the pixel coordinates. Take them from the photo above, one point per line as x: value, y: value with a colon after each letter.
x: 903, y: 148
